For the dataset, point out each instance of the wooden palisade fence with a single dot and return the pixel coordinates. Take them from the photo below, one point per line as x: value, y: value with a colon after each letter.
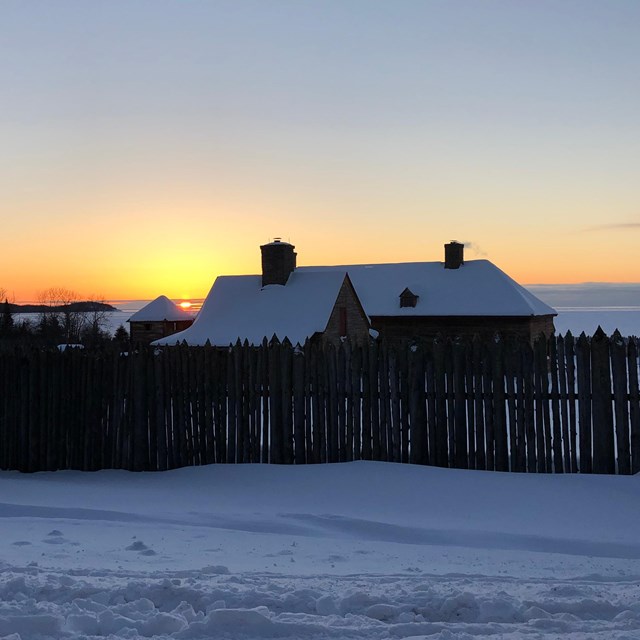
x: 561, y: 405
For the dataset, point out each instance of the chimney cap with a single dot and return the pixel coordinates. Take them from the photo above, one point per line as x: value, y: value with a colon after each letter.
x: 278, y: 241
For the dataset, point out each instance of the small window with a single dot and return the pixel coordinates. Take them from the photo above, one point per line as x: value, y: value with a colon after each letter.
x: 343, y: 321
x: 408, y: 298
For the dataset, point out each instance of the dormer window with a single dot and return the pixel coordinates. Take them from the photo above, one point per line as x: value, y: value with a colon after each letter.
x: 408, y: 298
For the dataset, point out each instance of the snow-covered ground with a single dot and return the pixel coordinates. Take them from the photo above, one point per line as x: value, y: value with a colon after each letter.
x: 358, y: 550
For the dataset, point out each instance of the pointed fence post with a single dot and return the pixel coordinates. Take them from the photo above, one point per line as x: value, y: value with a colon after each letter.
x: 583, y: 375
x: 634, y: 403
x: 621, y: 402
x: 603, y: 434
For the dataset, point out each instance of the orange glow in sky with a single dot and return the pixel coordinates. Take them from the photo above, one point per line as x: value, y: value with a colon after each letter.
x: 151, y: 147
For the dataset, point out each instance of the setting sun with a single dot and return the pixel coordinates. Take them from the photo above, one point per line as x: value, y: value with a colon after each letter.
x: 186, y: 304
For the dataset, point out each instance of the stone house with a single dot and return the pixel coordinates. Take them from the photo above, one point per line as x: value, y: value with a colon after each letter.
x: 398, y: 300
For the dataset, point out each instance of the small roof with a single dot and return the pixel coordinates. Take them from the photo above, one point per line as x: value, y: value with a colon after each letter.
x: 160, y: 309
x: 477, y: 288
x: 239, y: 307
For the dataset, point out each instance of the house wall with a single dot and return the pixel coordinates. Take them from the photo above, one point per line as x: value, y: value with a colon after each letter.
x: 347, y: 309
x: 146, y: 332
x: 406, y: 327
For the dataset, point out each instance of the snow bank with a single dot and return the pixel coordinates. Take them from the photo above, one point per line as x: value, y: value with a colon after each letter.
x: 360, y: 550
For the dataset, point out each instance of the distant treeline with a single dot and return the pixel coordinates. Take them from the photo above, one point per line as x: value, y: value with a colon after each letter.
x: 74, y: 307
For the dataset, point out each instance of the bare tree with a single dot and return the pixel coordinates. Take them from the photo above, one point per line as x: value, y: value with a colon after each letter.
x: 60, y: 312
x: 95, y: 319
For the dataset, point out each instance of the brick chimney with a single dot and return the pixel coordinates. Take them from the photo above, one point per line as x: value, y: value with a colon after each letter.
x: 453, y: 255
x: 278, y: 262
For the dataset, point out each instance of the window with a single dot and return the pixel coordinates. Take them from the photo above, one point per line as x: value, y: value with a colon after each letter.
x: 408, y: 298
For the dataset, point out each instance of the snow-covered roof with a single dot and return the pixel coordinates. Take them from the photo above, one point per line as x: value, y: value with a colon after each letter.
x: 477, y: 288
x: 160, y: 309
x: 239, y: 307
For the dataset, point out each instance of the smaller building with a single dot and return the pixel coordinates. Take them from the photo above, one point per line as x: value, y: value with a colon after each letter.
x: 158, y: 319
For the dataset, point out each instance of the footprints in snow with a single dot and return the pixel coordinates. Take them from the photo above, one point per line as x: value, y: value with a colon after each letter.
x: 56, y: 537
x: 141, y: 548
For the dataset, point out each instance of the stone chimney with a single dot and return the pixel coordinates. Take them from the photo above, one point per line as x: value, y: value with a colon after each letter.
x: 453, y: 255
x: 278, y: 262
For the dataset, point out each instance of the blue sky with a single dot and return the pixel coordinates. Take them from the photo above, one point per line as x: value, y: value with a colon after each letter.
x: 155, y: 129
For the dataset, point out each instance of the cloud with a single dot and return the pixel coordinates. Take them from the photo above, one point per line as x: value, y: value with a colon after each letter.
x: 615, y: 225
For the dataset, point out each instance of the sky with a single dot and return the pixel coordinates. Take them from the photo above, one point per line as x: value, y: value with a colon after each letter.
x: 147, y: 147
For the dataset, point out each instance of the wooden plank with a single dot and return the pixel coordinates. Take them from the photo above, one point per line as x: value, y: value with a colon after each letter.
x: 190, y: 404
x: 349, y: 401
x: 471, y: 405
x: 488, y: 393
x: 564, y: 403
x: 286, y: 366
x: 634, y: 403
x: 450, y: 401
x: 366, y: 442
x: 374, y: 383
x: 511, y: 353
x: 313, y: 454
x: 255, y: 409
x: 356, y: 395
x: 569, y: 352
x: 546, y: 405
x: 208, y: 381
x: 478, y: 402
x: 418, y: 453
x: 558, y: 461
x: 322, y: 371
x: 583, y: 374
x: 266, y: 445
x: 603, y: 434
x: 403, y: 380
x: 200, y: 409
x: 441, y: 433
x: 177, y: 398
x: 232, y: 418
x: 341, y: 401
x: 500, y: 418
x: 461, y: 452
x: 152, y: 410
x: 240, y: 412
x: 299, y: 437
x: 394, y: 402
x: 308, y: 408
x: 386, y: 436
x: 430, y: 393
x: 275, y: 403
x: 520, y: 457
x: 332, y: 402
x: 621, y: 402
x: 142, y: 449
x: 541, y: 380
x: 161, y: 413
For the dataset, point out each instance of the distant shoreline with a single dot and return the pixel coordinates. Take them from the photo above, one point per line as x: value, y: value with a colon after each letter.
x: 74, y: 307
